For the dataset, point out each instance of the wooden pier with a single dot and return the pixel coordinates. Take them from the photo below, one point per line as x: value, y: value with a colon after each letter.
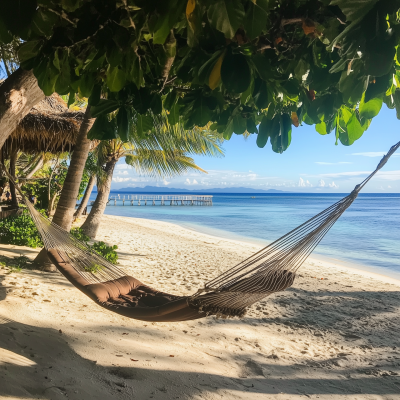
x: 160, y: 200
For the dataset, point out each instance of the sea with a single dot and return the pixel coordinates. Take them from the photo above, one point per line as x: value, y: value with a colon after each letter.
x: 367, y: 235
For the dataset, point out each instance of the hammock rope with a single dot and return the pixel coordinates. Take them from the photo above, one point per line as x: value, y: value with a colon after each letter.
x: 270, y: 270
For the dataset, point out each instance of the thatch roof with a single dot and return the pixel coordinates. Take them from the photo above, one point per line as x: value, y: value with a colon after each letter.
x: 50, y: 126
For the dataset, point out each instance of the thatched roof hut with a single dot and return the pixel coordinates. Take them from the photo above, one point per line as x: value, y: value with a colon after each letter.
x: 50, y: 126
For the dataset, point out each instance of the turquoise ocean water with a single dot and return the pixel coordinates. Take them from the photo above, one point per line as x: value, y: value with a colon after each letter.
x: 367, y: 235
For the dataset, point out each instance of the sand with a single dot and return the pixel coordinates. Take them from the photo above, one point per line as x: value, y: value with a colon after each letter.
x: 333, y: 335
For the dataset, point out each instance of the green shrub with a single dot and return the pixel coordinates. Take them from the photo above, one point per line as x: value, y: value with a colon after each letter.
x: 20, y: 230
x: 108, y: 252
x: 80, y: 235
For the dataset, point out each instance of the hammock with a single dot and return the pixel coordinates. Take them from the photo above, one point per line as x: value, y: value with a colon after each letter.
x: 270, y: 270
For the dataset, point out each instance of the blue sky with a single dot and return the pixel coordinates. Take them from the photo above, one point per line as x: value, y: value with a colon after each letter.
x: 311, y: 164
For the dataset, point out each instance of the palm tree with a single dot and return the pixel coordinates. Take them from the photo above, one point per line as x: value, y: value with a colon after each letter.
x: 162, y: 153
x: 91, y: 170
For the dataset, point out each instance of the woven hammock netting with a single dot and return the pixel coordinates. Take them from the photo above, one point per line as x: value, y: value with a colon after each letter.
x: 270, y: 270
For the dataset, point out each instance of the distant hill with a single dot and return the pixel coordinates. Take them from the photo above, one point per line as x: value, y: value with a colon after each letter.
x: 156, y: 189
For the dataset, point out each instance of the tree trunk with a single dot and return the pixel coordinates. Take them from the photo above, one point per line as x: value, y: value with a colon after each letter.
x: 13, y: 191
x: 18, y: 94
x: 92, y: 223
x: 50, y: 207
x: 36, y: 168
x: 66, y: 204
x: 34, y: 161
x: 86, y: 196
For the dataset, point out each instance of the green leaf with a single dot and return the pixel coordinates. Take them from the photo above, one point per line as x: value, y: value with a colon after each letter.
x: 156, y: 103
x: 379, y: 86
x: 29, y: 50
x: 103, y: 129
x: 228, y: 132
x: 281, y: 135
x: 116, y: 78
x: 174, y: 114
x: 235, y: 73
x: 94, y: 98
x: 104, y: 107
x: 371, y: 108
x: 239, y: 124
x: 264, y: 131
x: 301, y: 68
x: 70, y: 5
x: 354, y: 9
x: 354, y: 129
x: 321, y: 128
x: 144, y: 124
x: 260, y: 94
x: 86, y: 84
x: 226, y: 16
x: 170, y: 100
x: 396, y: 100
x: 123, y: 123
x: 251, y: 126
x: 256, y: 18
x: 161, y: 34
x: 71, y: 99
x: 199, y: 114
x: 47, y: 80
x: 352, y: 87
x: 43, y: 22
x: 263, y: 66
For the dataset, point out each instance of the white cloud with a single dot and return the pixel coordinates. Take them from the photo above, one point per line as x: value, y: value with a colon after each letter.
x: 303, y: 183
x: 333, y: 185
x: 389, y: 175
x: 389, y: 187
x: 165, y: 182
x: 123, y: 172
x: 194, y: 182
x: 332, y: 163
x: 321, y: 183
x: 373, y: 154
x: 122, y: 166
x: 119, y: 179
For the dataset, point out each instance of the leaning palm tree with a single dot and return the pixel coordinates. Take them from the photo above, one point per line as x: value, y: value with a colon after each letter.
x: 165, y: 152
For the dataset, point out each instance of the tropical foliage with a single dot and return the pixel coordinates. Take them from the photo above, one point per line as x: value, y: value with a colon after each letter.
x: 251, y: 66
x: 20, y: 230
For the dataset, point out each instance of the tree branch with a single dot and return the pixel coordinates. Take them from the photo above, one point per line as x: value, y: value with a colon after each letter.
x: 291, y: 21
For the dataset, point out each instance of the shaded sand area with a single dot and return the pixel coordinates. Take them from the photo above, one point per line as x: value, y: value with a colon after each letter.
x: 333, y: 335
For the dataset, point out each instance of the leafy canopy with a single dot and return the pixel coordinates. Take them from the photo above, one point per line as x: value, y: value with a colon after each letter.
x: 256, y: 66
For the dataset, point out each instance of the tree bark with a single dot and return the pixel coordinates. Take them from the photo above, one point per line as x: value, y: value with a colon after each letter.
x: 64, y: 214
x: 36, y: 168
x: 86, y: 196
x: 13, y: 191
x: 18, y: 94
x: 92, y: 223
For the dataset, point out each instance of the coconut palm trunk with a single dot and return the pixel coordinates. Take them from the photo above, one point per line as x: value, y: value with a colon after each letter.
x: 92, y: 223
x: 65, y: 210
x: 36, y: 168
x: 86, y: 196
x: 18, y: 94
x: 64, y: 214
x: 13, y: 191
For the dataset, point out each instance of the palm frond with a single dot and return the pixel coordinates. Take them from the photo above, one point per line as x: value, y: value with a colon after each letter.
x: 164, y: 136
x: 160, y: 164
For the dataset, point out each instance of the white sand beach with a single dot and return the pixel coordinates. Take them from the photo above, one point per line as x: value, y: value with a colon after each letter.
x: 333, y: 335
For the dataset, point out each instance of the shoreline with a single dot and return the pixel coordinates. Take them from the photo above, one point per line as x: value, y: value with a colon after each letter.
x: 365, y: 270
